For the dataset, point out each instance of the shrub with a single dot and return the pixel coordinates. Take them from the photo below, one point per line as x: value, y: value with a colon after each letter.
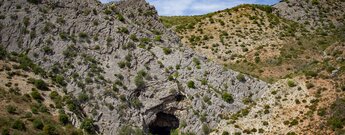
x: 36, y: 95
x: 191, y: 84
x: 60, y: 80
x: 206, y: 129
x: 35, y: 1
x: 310, y: 73
x: 227, y: 97
x: 19, y: 125
x: 309, y: 85
x: 87, y: 125
x: 158, y: 38
x: 122, y: 64
x: 139, y: 81
x: 122, y: 30
x: 83, y: 97
x: 120, y: 17
x: 291, y: 83
x: 50, y: 129
x: 11, y: 109
x: 5, y: 131
x: 83, y: 35
x: 3, y: 53
x: 63, y: 118
x: 241, y: 78
x: 167, y: 51
x: 40, y: 84
x: 38, y: 124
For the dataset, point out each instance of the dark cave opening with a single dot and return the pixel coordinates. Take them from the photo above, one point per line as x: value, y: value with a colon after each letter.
x: 163, y: 124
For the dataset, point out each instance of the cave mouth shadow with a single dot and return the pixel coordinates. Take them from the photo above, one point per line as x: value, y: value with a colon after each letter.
x: 163, y: 124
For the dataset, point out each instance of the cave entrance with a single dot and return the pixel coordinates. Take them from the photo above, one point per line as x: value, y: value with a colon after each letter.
x: 163, y: 124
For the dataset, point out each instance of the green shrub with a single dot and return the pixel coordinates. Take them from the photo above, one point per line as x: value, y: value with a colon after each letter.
x: 38, y: 124
x: 83, y: 35
x: 205, y: 129
x: 241, y: 78
x: 3, y: 53
x: 227, y: 97
x: 19, y: 125
x: 120, y: 17
x: 11, y: 109
x: 35, y: 1
x: 83, y: 97
x: 310, y: 73
x: 63, y: 118
x: 40, y: 84
x: 36, y: 95
x: 158, y: 38
x: 167, y: 51
x: 291, y: 83
x: 191, y: 84
x: 50, y: 129
x: 122, y: 30
x: 5, y: 131
x: 60, y: 80
x: 122, y: 64
x: 139, y: 81
x: 87, y: 125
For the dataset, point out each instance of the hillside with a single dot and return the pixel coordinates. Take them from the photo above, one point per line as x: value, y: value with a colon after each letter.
x: 82, y: 67
x: 271, y: 43
x: 124, y: 70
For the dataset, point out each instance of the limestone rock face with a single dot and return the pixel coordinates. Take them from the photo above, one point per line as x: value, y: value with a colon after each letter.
x: 123, y: 58
x: 325, y: 13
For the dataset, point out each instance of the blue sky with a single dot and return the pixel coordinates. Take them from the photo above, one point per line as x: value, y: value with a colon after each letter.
x: 197, y: 7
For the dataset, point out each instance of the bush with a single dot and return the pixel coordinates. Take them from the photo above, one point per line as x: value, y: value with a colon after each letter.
x: 40, y: 84
x: 241, y: 78
x: 5, y: 131
x: 63, y: 118
x: 139, y: 81
x: 83, y: 97
x: 227, y: 97
x: 83, y: 35
x: 38, y: 124
x: 3, y: 53
x: 50, y: 130
x: 11, y: 109
x: 120, y: 17
x: 167, y: 51
x: 60, y: 80
x: 191, y: 84
x: 158, y: 38
x: 19, y: 125
x: 87, y: 125
x: 35, y: 1
x: 36, y: 95
x: 291, y: 83
x: 206, y: 129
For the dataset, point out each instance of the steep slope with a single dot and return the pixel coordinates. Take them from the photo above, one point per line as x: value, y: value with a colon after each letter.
x: 244, y: 34
x: 127, y: 73
x: 298, y: 58
x: 314, y: 13
x: 30, y: 104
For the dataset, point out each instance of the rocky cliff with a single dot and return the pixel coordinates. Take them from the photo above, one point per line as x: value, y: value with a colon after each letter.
x: 124, y: 68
